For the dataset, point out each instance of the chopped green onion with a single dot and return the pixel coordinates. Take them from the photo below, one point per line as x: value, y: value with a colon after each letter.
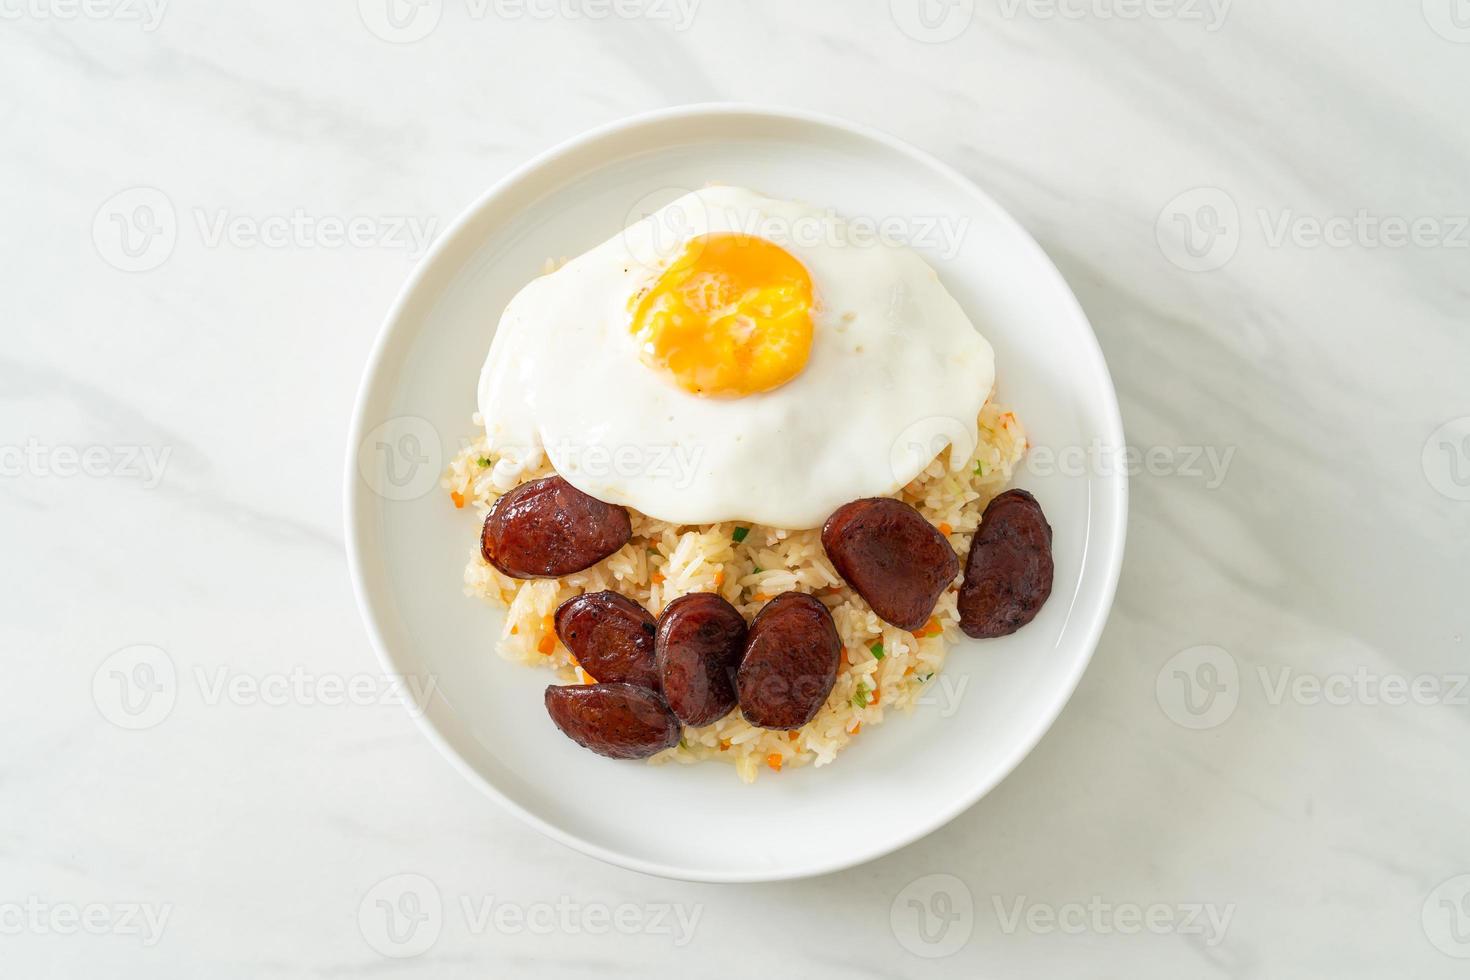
x: 877, y: 650
x: 758, y: 569
x: 483, y: 460
x: 860, y: 699
x: 739, y: 535
x: 924, y: 678
x: 683, y: 744
x: 979, y: 468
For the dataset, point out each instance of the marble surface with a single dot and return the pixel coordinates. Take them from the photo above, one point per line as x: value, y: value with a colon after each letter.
x: 208, y: 208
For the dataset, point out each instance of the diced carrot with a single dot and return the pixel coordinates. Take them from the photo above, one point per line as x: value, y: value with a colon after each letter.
x: 719, y: 579
x: 724, y: 745
x: 584, y: 677
x: 873, y: 698
x: 855, y: 729
x: 514, y: 630
x: 457, y: 497
x: 762, y: 597
x: 774, y: 761
x: 547, y: 644
x: 945, y: 529
x: 658, y: 577
x: 792, y: 735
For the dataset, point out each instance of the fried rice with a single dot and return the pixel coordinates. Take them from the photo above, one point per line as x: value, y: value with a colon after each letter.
x: 883, y: 668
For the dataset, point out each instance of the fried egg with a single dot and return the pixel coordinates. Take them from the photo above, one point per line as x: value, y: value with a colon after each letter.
x: 735, y: 357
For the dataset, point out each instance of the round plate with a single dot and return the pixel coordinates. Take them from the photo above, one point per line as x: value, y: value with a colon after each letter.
x: 407, y: 544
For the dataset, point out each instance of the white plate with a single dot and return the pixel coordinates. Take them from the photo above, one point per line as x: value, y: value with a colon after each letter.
x: 407, y: 545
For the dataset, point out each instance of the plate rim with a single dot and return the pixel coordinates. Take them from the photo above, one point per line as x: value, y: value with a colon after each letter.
x: 355, y: 494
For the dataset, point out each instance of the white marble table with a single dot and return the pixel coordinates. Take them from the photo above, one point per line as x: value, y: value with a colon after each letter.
x: 1262, y: 207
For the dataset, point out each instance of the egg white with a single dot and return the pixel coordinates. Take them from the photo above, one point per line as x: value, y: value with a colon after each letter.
x: 897, y: 371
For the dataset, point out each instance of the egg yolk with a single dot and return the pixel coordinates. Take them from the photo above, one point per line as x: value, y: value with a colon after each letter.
x: 732, y: 316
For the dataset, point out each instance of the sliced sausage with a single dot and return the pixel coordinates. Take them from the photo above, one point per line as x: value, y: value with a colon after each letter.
x: 548, y: 528
x: 792, y: 653
x: 611, y: 636
x: 897, y: 561
x: 1008, y: 574
x: 701, y: 638
x: 620, y: 721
